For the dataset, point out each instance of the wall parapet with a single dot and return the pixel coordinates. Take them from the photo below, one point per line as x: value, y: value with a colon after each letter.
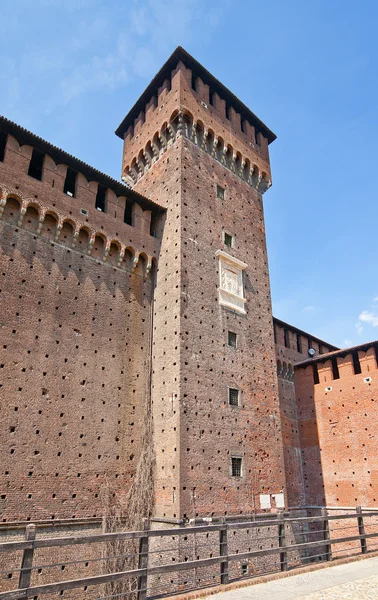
x: 183, y: 124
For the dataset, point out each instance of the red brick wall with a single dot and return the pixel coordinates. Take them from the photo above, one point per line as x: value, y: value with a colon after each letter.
x: 196, y: 431
x: 337, y: 429
x: 75, y: 335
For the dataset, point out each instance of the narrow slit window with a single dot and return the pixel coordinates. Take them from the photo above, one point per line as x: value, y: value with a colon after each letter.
x: 221, y: 192
x: 320, y: 349
x: 335, y: 369
x: 128, y: 216
x: 356, y: 363
x: 233, y: 396
x: 3, y: 143
x: 70, y: 183
x: 299, y: 343
x: 36, y: 164
x: 211, y: 97
x: 236, y: 466
x: 153, y: 225
x: 101, y: 198
x: 316, y: 373
x: 194, y: 77
x: 286, y: 338
x: 232, y: 339
x: 227, y: 112
x: 257, y: 138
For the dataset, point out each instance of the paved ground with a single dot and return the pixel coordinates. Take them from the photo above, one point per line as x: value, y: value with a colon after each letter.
x: 353, y: 581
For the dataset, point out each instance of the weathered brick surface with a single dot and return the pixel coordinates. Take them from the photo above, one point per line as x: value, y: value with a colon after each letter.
x: 337, y: 430
x: 196, y: 430
x: 75, y: 336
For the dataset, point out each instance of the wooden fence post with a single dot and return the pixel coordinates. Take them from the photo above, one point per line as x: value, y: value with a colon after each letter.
x: 326, y: 537
x: 281, y: 539
x: 361, y: 529
x: 27, y: 558
x: 223, y: 551
x: 143, y: 562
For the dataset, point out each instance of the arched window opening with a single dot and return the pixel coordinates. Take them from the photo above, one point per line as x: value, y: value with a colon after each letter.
x: 127, y: 262
x: 246, y: 170
x: 49, y: 226
x: 12, y: 211
x: 219, y: 150
x: 67, y: 234
x: 157, y: 142
x: 101, y: 198
x: 83, y: 240
x: 3, y: 143
x: 210, y: 141
x: 279, y: 368
x: 113, y: 256
x: 70, y: 183
x: 31, y: 219
x: 36, y: 164
x: 128, y: 215
x: 141, y: 266
x: 98, y: 248
x: 187, y: 126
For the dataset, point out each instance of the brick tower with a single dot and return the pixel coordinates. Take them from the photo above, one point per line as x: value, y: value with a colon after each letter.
x: 191, y: 146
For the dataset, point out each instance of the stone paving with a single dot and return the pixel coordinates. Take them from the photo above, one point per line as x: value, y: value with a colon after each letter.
x: 352, y: 581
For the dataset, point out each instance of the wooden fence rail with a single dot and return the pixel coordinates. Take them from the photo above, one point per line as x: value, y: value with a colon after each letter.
x: 223, y: 558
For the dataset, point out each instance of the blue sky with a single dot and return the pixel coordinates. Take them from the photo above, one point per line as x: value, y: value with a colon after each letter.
x: 71, y: 69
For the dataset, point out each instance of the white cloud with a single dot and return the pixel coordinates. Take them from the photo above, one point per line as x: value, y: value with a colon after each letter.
x: 347, y: 343
x: 308, y: 308
x: 370, y: 317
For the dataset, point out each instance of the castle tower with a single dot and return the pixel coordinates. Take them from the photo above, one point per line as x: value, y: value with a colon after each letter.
x: 191, y: 146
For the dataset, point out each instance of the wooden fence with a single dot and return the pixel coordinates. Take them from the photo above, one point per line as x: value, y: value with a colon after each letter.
x: 295, y: 541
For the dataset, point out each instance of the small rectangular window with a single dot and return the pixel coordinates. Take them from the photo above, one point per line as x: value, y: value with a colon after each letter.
x: 286, y: 338
x: 70, y: 182
x: 233, y: 396
x: 101, y: 198
x: 3, y: 143
x: 299, y: 343
x: 232, y: 339
x: 236, y: 465
x: 228, y: 240
x: 221, y: 192
x: 316, y: 373
x: 36, y: 164
x: 244, y: 569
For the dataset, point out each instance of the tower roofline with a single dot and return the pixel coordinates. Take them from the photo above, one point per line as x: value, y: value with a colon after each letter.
x: 181, y: 55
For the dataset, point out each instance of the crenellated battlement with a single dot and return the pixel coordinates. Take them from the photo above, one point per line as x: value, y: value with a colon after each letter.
x: 185, y: 100
x: 359, y: 362
x: 101, y: 217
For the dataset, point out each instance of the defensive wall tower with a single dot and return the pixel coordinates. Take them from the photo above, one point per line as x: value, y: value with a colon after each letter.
x: 191, y: 146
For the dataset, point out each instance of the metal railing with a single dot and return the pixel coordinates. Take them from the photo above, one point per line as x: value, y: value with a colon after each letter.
x: 183, y: 558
